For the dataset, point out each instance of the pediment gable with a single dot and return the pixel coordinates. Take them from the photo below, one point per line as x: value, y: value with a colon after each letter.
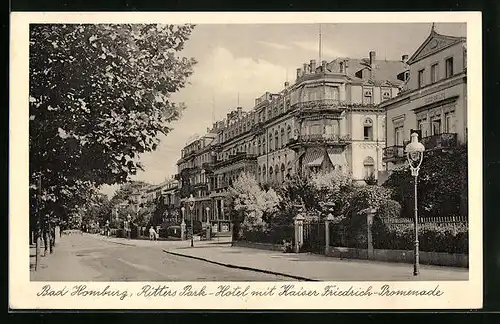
x: 386, y: 83
x: 433, y: 44
x: 369, y: 83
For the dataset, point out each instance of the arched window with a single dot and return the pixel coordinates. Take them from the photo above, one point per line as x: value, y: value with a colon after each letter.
x: 259, y: 146
x: 270, y: 173
x: 288, y: 133
x: 368, y: 129
x: 276, y: 140
x: 270, y: 145
x: 258, y: 174
x: 282, y: 169
x: 276, y: 173
x: 263, y: 173
x: 369, y: 167
x: 282, y: 137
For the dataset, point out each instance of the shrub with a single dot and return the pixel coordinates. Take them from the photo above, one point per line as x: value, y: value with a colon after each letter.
x: 438, y: 237
x: 389, y: 208
x: 273, y: 235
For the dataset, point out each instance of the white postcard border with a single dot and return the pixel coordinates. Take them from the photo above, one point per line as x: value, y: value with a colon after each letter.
x: 23, y: 293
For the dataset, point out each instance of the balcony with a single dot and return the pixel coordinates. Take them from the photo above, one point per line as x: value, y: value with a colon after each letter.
x: 393, y: 153
x: 320, y: 104
x: 207, y: 166
x: 320, y: 140
x: 440, y: 141
x: 258, y: 127
x: 240, y: 156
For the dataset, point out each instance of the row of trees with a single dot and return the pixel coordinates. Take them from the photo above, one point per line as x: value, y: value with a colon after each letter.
x: 99, y: 98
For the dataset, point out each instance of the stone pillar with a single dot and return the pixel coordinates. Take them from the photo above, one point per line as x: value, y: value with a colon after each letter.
x: 208, y: 228
x: 299, y: 232
x: 221, y: 209
x: 57, y: 234
x: 370, y: 213
x: 183, y: 230
x: 328, y: 221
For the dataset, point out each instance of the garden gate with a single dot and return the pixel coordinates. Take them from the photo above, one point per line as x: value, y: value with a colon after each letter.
x: 314, y: 237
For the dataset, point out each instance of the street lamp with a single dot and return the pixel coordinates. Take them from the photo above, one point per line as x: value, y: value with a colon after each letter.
x: 415, y: 154
x: 208, y: 215
x: 191, y: 206
x: 129, y: 227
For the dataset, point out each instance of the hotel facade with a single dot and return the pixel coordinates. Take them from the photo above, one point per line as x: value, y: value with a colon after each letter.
x: 433, y: 101
x: 329, y: 119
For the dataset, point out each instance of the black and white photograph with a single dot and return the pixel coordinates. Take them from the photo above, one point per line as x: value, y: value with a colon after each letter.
x: 280, y: 154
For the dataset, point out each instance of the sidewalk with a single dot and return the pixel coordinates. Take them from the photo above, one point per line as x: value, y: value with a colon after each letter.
x: 62, y: 265
x: 164, y: 244
x: 315, y: 267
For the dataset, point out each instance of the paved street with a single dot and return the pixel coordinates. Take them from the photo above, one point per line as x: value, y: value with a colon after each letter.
x: 91, y: 258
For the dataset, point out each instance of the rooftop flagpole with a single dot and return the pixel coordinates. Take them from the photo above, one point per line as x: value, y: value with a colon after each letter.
x: 319, y: 44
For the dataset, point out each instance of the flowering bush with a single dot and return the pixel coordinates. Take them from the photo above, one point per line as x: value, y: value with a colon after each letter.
x: 252, y: 201
x: 438, y: 237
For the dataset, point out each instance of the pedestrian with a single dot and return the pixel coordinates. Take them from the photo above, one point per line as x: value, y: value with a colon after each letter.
x: 152, y: 234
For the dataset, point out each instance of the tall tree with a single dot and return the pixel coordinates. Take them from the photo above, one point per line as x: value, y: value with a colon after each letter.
x: 442, y: 184
x: 99, y: 97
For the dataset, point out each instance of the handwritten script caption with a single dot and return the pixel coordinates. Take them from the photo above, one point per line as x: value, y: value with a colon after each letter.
x: 232, y: 291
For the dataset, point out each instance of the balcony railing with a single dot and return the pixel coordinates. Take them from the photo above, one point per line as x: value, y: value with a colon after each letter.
x: 235, y: 158
x: 392, y: 153
x: 444, y: 140
x: 321, y: 139
x: 320, y: 104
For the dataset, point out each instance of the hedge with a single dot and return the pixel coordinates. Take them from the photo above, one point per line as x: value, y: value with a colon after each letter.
x: 274, y: 235
x: 439, y: 237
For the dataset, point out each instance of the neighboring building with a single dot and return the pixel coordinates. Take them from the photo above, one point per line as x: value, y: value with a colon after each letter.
x: 169, y: 192
x: 433, y: 101
x: 329, y: 119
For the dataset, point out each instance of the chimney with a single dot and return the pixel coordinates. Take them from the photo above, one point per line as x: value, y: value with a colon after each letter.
x: 404, y: 58
x: 299, y: 73
x: 372, y: 58
x: 346, y: 67
x: 323, y: 66
x: 305, y: 68
x: 313, y: 66
x: 287, y: 84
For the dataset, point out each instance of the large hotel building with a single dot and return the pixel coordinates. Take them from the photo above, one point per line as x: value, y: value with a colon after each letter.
x: 330, y: 118
x: 351, y: 115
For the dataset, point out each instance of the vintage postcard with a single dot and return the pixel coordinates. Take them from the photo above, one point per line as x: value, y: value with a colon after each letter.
x: 245, y: 160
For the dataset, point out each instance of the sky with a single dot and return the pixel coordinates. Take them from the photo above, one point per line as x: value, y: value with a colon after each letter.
x: 238, y: 63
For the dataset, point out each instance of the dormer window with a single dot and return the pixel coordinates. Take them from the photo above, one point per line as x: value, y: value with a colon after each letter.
x: 386, y: 94
x: 368, y: 92
x: 341, y: 67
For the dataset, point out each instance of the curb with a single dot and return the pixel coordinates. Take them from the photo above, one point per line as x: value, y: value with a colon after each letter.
x: 228, y: 265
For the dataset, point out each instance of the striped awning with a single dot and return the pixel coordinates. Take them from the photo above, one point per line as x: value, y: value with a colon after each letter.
x: 316, y: 162
x: 337, y: 158
x: 312, y: 156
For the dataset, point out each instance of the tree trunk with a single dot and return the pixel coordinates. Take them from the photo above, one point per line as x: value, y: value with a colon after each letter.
x: 52, y: 234
x: 45, y: 242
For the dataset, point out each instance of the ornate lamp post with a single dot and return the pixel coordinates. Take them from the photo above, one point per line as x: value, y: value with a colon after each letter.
x: 208, y: 223
x: 191, y: 207
x: 183, y: 223
x: 129, y: 227
x: 415, y: 154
